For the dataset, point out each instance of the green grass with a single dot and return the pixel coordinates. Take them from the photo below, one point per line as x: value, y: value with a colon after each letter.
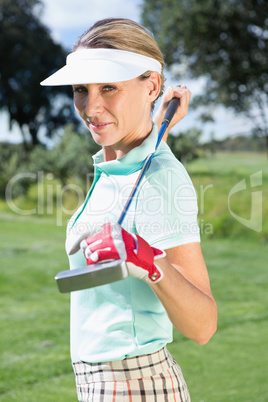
x: 34, y: 342
x: 222, y: 163
x: 232, y: 366
x: 215, y: 178
x: 35, y: 363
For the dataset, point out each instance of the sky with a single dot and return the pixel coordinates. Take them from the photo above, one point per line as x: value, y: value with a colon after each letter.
x: 67, y: 20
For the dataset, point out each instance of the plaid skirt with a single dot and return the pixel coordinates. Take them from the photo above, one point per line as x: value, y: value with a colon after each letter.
x: 151, y: 378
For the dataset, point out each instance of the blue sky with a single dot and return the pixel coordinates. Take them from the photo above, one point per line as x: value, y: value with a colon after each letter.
x: 67, y: 20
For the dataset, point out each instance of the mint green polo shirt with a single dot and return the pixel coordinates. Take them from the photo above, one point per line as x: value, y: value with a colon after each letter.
x: 125, y: 318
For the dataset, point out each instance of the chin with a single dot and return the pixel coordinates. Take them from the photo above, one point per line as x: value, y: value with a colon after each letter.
x: 101, y: 141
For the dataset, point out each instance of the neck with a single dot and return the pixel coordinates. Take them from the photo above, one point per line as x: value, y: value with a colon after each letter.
x: 118, y: 151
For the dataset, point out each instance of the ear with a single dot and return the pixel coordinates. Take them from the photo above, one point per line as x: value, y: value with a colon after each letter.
x: 154, y: 86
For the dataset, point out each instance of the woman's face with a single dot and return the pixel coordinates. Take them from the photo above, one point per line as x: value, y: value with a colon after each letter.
x: 117, y: 114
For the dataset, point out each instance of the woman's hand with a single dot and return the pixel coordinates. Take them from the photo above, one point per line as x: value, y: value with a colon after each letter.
x: 180, y: 92
x: 115, y: 243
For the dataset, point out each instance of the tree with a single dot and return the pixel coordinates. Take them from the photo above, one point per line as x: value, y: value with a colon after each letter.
x: 225, y: 41
x: 184, y: 146
x: 28, y: 55
x: 63, y: 160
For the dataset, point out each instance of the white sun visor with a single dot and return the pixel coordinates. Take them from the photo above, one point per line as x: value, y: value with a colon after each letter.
x: 96, y: 66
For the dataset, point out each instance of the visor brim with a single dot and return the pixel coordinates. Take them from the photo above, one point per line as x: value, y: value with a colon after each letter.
x: 96, y: 66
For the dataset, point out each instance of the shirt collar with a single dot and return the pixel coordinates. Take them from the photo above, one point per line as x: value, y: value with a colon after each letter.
x: 132, y: 161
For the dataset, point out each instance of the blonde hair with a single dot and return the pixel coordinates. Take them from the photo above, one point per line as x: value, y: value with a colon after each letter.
x: 123, y: 34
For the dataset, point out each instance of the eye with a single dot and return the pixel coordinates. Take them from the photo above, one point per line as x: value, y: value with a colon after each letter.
x: 79, y: 89
x: 108, y: 88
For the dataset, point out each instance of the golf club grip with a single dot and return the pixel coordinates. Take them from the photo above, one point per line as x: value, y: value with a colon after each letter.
x: 172, y: 107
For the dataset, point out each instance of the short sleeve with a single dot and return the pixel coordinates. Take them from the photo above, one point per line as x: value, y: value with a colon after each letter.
x: 166, y: 208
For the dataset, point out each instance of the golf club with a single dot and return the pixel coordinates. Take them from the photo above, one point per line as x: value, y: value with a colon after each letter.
x: 112, y: 271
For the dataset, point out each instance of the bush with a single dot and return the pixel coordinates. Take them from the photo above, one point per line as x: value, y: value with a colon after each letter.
x: 71, y: 158
x: 12, y: 157
x: 185, y: 145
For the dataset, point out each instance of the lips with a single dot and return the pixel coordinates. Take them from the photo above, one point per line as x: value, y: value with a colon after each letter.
x: 99, y: 126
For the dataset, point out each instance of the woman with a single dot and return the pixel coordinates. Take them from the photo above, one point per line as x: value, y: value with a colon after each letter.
x: 119, y: 331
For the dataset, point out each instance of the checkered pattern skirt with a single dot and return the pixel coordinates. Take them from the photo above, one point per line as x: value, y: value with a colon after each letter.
x: 150, y: 378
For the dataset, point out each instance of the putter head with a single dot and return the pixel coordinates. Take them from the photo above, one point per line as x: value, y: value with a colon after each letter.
x: 91, y: 276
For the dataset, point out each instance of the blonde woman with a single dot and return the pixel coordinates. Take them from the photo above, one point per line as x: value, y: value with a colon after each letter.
x: 119, y: 331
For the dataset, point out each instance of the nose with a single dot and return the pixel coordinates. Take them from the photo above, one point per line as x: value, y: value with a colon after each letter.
x: 92, y: 105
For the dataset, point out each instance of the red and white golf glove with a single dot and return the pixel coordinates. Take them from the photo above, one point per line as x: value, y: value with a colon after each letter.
x: 114, y: 243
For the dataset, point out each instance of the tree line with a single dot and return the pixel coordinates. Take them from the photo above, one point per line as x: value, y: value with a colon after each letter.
x: 70, y: 160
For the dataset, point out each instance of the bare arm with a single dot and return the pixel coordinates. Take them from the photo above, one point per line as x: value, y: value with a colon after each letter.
x: 185, y: 292
x: 180, y: 92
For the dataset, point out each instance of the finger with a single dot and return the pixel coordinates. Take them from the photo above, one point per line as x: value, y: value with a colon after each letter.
x: 180, y: 91
x: 76, y: 245
x: 185, y: 95
x: 111, y: 239
x: 87, y: 244
x: 93, y: 240
x: 171, y: 92
x: 168, y: 95
x: 116, y: 249
x: 101, y: 255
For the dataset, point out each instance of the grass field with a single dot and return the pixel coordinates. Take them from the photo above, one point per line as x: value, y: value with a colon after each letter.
x: 34, y: 341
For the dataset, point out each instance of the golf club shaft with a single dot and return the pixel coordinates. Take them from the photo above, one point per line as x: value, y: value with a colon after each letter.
x: 172, y: 107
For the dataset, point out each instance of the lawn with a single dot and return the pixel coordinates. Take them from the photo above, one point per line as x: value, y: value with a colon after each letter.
x: 34, y: 342
x: 233, y: 365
